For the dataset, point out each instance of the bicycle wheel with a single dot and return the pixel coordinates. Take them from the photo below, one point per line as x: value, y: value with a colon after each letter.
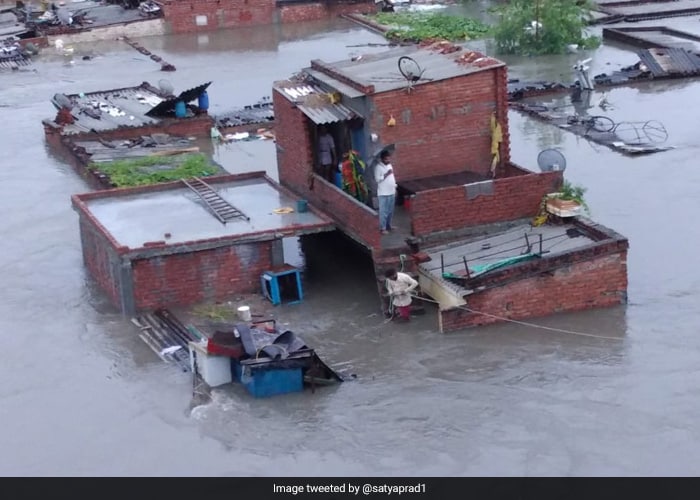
x: 601, y: 124
x: 654, y: 131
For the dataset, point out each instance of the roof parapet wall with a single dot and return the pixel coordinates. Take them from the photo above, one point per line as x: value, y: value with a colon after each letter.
x: 329, y: 70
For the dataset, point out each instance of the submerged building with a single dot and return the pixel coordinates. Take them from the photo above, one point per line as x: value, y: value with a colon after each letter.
x: 468, y: 224
x: 465, y: 210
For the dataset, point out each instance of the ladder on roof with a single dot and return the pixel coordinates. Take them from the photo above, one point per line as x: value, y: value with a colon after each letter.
x: 218, y: 206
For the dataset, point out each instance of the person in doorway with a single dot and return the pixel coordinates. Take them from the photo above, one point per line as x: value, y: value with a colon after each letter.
x: 326, y: 154
x: 386, y: 190
x: 400, y: 286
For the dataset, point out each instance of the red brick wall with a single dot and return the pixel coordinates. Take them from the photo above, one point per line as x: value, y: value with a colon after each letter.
x: 189, y: 278
x: 99, y: 256
x: 449, y: 208
x: 293, y: 140
x: 600, y: 282
x: 443, y: 127
x: 199, y: 126
x: 294, y: 162
x: 181, y: 14
x: 321, y: 10
x: 356, y: 219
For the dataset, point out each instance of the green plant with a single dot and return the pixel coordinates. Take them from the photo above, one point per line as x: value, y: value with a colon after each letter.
x: 419, y: 26
x: 573, y: 192
x: 155, y: 169
x: 533, y: 27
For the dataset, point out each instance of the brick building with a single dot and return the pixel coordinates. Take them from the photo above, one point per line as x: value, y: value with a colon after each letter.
x: 125, y: 113
x: 182, y: 16
x: 444, y: 111
x: 160, y: 246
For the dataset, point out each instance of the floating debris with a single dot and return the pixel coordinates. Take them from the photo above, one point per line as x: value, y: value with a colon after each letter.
x: 633, y: 138
x: 164, y: 66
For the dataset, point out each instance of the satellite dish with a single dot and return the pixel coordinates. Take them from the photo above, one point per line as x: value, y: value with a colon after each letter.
x: 166, y: 87
x: 62, y: 101
x: 64, y: 16
x: 551, y: 160
x: 410, y: 69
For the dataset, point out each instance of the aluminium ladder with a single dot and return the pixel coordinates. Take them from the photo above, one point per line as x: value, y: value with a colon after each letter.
x: 218, y: 206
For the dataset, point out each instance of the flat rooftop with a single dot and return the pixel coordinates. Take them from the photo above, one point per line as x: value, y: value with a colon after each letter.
x: 133, y: 220
x: 647, y: 7
x: 495, y: 248
x: 381, y: 70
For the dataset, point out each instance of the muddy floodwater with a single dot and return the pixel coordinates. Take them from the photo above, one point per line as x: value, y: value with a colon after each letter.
x: 81, y: 394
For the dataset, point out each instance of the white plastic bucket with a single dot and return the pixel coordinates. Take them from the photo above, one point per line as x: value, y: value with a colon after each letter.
x: 244, y: 313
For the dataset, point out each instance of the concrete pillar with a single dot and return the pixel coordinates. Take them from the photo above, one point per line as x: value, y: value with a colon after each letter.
x: 277, y: 250
x: 126, y: 286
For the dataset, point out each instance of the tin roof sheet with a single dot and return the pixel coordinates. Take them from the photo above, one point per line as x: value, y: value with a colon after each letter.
x: 315, y: 103
x: 669, y: 61
x: 125, y: 107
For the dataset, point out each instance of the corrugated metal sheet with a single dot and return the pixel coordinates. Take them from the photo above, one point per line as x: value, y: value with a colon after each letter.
x: 167, y: 107
x: 317, y: 104
x: 330, y: 113
x: 670, y: 61
x: 118, y: 108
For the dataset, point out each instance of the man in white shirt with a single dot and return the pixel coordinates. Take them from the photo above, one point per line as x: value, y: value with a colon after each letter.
x: 400, y: 286
x: 326, y: 153
x: 386, y: 190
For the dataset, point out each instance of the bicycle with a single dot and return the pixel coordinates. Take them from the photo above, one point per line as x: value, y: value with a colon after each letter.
x: 601, y: 124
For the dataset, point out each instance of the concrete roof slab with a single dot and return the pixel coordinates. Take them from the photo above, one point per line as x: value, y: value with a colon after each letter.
x: 496, y: 247
x: 146, y: 217
x: 381, y: 70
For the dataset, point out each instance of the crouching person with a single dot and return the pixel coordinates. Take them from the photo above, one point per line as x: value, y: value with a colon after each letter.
x: 400, y: 286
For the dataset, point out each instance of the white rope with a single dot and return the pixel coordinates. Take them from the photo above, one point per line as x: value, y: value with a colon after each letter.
x: 525, y: 323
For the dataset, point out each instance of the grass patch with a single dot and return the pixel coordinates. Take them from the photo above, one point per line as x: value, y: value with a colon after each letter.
x: 420, y: 26
x: 216, y: 312
x: 155, y: 169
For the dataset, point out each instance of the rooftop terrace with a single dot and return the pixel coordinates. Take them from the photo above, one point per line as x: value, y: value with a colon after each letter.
x: 485, y: 253
x: 173, y: 214
x: 380, y: 72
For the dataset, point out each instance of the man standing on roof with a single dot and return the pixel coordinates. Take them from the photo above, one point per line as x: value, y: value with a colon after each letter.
x: 386, y: 190
x: 400, y: 286
x: 326, y: 154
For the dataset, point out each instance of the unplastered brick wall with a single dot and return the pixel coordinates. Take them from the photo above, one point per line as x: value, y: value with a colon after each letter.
x: 356, y: 219
x: 444, y: 127
x: 184, y: 16
x: 586, y: 284
x: 294, y: 163
x: 189, y: 278
x: 198, y: 126
x: 293, y: 142
x: 101, y: 260
x: 311, y: 11
x: 450, y: 209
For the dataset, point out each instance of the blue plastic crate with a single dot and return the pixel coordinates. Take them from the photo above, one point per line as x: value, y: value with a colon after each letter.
x: 262, y: 382
x: 272, y: 288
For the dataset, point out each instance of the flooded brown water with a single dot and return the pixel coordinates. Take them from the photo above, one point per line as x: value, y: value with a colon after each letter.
x: 82, y: 395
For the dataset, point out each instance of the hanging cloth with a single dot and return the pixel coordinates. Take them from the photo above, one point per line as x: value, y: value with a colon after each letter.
x: 496, y: 139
